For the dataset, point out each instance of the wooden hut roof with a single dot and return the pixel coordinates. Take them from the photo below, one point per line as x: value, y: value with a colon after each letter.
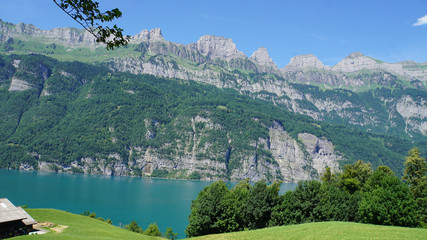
x: 9, y: 213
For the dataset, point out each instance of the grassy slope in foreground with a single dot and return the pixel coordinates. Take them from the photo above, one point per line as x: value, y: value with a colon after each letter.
x: 79, y: 227
x: 325, y: 230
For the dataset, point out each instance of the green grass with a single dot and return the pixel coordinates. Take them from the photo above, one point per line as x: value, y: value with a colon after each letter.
x: 325, y: 230
x: 63, y: 53
x: 79, y: 227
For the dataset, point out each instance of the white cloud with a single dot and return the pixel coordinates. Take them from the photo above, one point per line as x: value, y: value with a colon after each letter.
x: 421, y: 21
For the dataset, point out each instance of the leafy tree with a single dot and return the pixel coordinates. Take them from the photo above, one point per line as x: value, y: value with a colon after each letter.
x: 206, y: 210
x: 232, y: 205
x: 133, y: 226
x: 88, y: 15
x: 327, y: 176
x: 169, y: 234
x: 306, y: 197
x: 355, y: 176
x: 387, y: 201
x: 415, y: 175
x: 153, y: 230
x: 109, y: 221
x: 334, y: 204
x: 260, y: 203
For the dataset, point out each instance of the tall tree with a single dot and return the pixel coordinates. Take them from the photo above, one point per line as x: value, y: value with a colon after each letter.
x: 415, y: 175
x: 259, y: 205
x: 206, y: 210
x: 88, y: 15
x: 387, y: 201
x: 355, y: 176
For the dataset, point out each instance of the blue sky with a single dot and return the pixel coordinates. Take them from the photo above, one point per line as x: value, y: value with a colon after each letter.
x: 389, y: 30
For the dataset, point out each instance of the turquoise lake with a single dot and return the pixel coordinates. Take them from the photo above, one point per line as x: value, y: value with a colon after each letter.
x: 122, y: 199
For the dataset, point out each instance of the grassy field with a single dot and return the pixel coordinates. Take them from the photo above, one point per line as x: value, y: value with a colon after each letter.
x: 79, y: 227
x: 326, y: 230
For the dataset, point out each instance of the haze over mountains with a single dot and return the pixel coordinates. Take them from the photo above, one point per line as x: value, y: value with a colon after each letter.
x: 359, y: 92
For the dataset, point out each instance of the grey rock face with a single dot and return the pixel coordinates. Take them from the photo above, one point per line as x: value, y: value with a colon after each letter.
x: 411, y: 110
x: 351, y: 71
x: 304, y: 62
x: 291, y: 159
x: 155, y: 35
x: 321, y: 151
x: 217, y: 48
x: 18, y: 85
x: 264, y: 61
x: 70, y: 37
x: 290, y: 162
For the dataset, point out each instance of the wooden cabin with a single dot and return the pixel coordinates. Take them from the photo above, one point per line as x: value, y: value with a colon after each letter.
x: 14, y: 221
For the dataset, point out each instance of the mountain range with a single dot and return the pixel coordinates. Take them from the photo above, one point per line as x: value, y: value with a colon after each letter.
x: 381, y: 102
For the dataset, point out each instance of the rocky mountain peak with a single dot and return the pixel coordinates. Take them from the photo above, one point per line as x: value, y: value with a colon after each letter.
x: 261, y: 56
x: 264, y: 61
x: 217, y: 47
x: 154, y: 35
x: 355, y: 55
x: 301, y: 62
x: 355, y: 62
x: 26, y: 28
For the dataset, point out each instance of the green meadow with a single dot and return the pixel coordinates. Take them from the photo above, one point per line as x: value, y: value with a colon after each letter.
x: 81, y: 227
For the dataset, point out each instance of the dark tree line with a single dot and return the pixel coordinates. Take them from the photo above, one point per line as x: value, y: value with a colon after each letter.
x: 357, y: 194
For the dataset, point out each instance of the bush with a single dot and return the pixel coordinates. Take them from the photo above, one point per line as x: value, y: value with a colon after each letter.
x: 153, y: 230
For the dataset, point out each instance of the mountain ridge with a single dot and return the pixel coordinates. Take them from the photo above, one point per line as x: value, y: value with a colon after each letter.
x: 82, y: 37
x: 217, y: 61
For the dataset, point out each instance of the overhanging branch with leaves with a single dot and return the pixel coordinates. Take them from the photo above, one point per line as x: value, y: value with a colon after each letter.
x: 88, y: 15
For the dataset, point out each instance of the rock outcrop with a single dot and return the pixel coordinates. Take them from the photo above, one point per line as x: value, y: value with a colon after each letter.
x: 304, y: 62
x: 414, y: 112
x: 321, y: 151
x: 19, y: 85
x: 217, y: 48
x: 265, y: 63
x: 155, y: 35
x: 357, y: 62
x: 292, y: 161
x: 70, y: 37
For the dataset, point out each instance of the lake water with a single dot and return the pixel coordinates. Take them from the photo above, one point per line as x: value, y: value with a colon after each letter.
x: 122, y: 199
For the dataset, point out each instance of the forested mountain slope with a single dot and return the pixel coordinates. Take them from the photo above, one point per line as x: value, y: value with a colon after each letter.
x: 77, y: 117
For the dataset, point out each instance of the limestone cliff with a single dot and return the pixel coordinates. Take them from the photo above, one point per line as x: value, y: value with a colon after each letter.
x: 356, y: 70
x: 291, y: 161
x: 264, y: 62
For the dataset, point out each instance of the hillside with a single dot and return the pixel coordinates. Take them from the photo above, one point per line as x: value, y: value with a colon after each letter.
x: 379, y: 97
x: 80, y: 227
x: 325, y: 230
x: 75, y: 117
